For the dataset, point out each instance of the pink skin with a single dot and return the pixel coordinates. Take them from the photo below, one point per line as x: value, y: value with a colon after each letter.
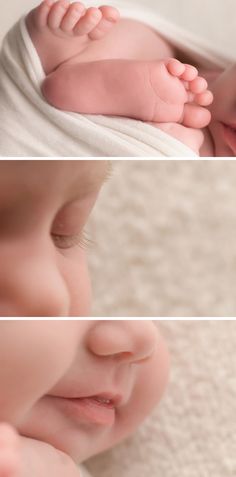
x: 87, y: 76
x: 44, y: 207
x: 73, y: 359
x: 220, y: 138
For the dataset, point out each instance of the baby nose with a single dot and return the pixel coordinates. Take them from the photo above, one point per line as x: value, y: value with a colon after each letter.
x: 132, y: 341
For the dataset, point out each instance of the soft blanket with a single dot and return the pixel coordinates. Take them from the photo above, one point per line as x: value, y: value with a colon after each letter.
x: 31, y: 127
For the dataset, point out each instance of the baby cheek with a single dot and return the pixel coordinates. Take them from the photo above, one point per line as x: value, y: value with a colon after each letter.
x: 35, y: 355
x: 149, y: 386
x: 76, y: 276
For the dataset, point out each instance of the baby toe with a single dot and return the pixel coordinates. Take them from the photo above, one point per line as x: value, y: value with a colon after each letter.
x: 57, y: 13
x: 204, y: 99
x: 72, y: 16
x: 198, y: 85
x: 175, y: 67
x: 110, y: 13
x: 88, y: 21
x: 190, y: 73
x: 110, y: 16
x: 196, y: 116
x: 40, y: 13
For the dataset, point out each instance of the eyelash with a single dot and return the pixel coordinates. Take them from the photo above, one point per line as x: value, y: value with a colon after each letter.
x: 81, y: 240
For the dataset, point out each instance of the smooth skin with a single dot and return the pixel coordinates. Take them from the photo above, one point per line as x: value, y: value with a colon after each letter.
x: 68, y: 359
x: 44, y: 208
x: 97, y: 63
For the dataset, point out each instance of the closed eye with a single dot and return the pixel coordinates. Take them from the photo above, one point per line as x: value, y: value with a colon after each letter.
x: 69, y: 241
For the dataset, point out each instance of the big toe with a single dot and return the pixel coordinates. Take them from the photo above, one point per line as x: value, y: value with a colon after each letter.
x: 110, y: 16
x: 195, y: 116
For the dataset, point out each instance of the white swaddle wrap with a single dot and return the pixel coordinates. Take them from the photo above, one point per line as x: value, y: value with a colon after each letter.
x: 29, y: 126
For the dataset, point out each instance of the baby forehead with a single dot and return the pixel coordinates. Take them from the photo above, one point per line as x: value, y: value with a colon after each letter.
x: 45, y: 177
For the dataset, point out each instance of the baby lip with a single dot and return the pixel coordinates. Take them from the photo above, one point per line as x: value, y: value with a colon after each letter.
x: 114, y: 400
x: 106, y: 398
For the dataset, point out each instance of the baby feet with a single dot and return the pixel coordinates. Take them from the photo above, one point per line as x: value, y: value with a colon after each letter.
x: 180, y: 94
x: 9, y: 452
x: 65, y: 19
x: 62, y: 30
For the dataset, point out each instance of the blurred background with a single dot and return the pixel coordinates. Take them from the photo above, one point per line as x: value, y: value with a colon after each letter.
x: 165, y: 239
x: 214, y: 21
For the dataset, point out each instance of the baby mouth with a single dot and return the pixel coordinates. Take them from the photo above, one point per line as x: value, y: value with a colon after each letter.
x: 98, y: 410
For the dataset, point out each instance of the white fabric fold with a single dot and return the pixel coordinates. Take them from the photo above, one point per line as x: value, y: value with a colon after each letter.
x: 29, y: 126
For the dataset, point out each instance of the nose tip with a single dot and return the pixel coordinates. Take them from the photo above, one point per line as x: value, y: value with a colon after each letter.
x: 130, y: 340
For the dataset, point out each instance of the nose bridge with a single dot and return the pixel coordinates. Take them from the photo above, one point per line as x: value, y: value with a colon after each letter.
x: 31, y: 285
x: 132, y: 340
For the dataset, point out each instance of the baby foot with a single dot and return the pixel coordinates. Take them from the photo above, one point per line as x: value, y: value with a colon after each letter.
x: 181, y: 94
x: 9, y: 451
x: 65, y: 19
x: 62, y: 30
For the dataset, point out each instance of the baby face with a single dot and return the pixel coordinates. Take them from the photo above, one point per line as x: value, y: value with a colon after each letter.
x: 80, y: 385
x: 44, y: 206
x: 223, y: 125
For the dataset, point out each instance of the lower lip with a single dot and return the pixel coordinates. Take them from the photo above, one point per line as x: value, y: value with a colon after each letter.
x: 88, y: 410
x: 230, y: 137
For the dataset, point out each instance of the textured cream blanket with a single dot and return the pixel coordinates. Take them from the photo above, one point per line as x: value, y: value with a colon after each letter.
x: 31, y: 127
x: 193, y: 432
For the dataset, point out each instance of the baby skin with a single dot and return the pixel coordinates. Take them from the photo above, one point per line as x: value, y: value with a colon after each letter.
x: 92, y: 387
x: 24, y: 457
x: 95, y: 64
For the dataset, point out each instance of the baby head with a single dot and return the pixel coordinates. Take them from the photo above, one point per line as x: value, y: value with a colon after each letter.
x: 223, y: 125
x: 80, y: 385
x: 44, y: 206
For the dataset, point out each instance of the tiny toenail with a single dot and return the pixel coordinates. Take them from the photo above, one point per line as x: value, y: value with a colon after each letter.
x: 49, y: 3
x: 64, y: 3
x: 95, y: 14
x: 80, y: 8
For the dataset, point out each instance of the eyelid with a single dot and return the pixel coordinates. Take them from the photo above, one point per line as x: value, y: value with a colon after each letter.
x: 69, y: 241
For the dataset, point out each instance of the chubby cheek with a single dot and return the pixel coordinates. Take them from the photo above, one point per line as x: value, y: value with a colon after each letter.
x: 33, y: 356
x: 76, y: 275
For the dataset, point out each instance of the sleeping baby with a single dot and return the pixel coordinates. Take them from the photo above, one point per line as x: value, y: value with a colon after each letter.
x: 97, y: 63
x: 71, y: 389
x: 44, y: 209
